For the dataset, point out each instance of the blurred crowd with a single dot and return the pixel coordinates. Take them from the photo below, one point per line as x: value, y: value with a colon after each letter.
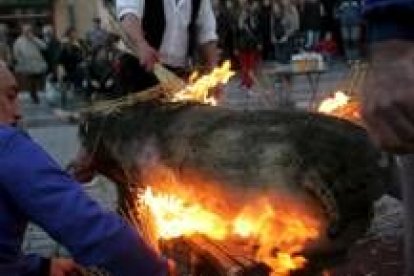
x: 255, y: 30
x: 82, y: 65
x: 250, y: 31
x: 268, y: 26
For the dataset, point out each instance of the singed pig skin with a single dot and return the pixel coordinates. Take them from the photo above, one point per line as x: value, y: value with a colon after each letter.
x: 330, y: 159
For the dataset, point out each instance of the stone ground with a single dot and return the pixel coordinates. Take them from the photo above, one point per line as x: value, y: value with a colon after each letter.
x: 380, y: 252
x: 60, y: 140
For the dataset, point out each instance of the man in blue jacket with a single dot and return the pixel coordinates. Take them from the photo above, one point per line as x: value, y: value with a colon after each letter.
x: 388, y: 95
x: 33, y: 187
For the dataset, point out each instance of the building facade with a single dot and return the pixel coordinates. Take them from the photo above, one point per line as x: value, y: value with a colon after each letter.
x: 59, y: 13
x: 77, y: 13
x: 14, y: 13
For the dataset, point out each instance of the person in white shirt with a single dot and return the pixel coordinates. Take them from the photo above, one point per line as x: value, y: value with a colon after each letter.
x: 30, y: 64
x: 169, y: 32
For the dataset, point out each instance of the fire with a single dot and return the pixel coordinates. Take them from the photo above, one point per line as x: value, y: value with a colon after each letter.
x: 341, y: 106
x: 175, y: 218
x: 278, y: 233
x: 280, y: 230
x: 199, y: 88
x: 284, y: 263
x: 249, y: 223
x: 331, y: 104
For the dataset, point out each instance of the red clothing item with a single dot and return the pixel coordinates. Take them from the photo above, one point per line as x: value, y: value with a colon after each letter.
x: 248, y: 60
x: 327, y: 47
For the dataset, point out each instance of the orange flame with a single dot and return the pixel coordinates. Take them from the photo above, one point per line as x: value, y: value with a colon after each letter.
x: 283, y: 263
x: 341, y: 106
x: 175, y: 218
x: 199, y: 88
x: 280, y: 233
x: 333, y: 103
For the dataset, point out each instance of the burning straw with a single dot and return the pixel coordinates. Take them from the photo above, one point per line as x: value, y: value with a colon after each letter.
x: 198, y: 90
x: 279, y: 232
x: 342, y: 106
x: 344, y: 103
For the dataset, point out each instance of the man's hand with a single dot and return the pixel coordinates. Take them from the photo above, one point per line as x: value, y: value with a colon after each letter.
x: 148, y: 56
x: 388, y: 97
x: 64, y: 267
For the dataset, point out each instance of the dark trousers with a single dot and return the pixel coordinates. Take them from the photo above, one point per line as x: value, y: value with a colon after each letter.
x: 283, y: 51
x: 32, y: 83
x: 351, y: 36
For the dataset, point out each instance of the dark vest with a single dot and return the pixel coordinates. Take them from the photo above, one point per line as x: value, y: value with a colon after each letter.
x: 153, y: 23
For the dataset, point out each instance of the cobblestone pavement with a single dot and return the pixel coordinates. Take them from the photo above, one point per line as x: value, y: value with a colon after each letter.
x: 59, y: 138
x: 268, y: 90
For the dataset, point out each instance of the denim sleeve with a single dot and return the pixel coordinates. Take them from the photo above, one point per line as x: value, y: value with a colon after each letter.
x: 35, y: 265
x: 50, y: 198
x: 389, y: 19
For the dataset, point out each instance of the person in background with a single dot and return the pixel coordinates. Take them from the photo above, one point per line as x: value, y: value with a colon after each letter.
x: 388, y: 96
x: 71, y: 57
x: 176, y: 34
x: 300, y: 7
x: 349, y: 15
x: 327, y: 47
x: 265, y: 21
x: 226, y: 29
x: 278, y: 30
x: 5, y: 51
x: 291, y: 23
x: 311, y: 22
x: 30, y: 65
x: 97, y: 36
x: 248, y: 41
x: 52, y: 51
x: 33, y: 187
